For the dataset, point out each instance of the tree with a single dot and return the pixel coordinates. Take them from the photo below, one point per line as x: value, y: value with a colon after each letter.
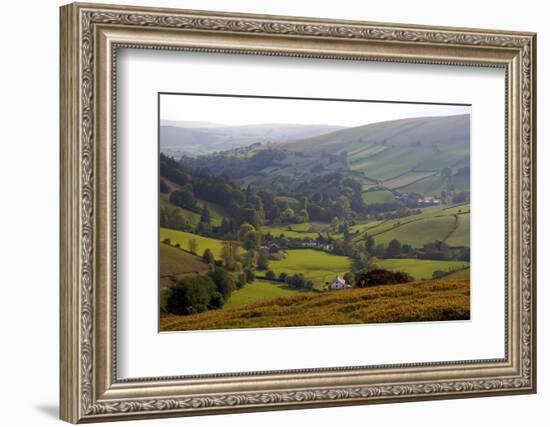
x: 437, y: 250
x: 225, y: 283
x: 191, y: 295
x: 297, y: 281
x: 249, y: 274
x: 381, y: 277
x: 208, y: 256
x: 193, y: 246
x: 407, y: 249
x: 283, y: 276
x: 172, y: 217
x: 262, y: 262
x: 349, y: 278
x: 244, y: 229
x: 335, y: 223
x: 379, y: 251
x: 184, y: 199
x: 270, y: 275
x: 394, y: 249
x: 229, y: 253
x: 288, y: 215
x: 205, y: 215
x: 369, y: 244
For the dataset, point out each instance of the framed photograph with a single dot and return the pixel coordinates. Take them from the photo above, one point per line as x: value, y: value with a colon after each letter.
x: 266, y: 212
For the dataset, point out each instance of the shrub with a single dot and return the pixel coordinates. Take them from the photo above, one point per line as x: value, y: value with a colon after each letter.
x: 381, y: 277
x: 167, y: 241
x: 208, y: 256
x: 191, y: 295
x: 225, y: 283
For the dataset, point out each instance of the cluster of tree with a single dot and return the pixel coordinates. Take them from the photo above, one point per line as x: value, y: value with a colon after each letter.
x: 441, y: 251
x: 381, y: 277
x: 294, y: 281
x: 191, y: 295
x: 238, y: 167
x: 437, y: 250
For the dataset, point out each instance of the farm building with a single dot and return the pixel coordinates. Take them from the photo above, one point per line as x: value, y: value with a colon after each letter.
x: 273, y: 248
x: 338, y: 283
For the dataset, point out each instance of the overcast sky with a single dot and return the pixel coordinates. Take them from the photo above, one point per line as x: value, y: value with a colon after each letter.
x: 242, y: 111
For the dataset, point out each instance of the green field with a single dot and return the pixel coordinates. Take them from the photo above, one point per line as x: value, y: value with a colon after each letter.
x: 318, y: 266
x: 217, y: 213
x: 461, y: 236
x: 407, y: 179
x: 434, y: 223
x: 176, y: 262
x: 298, y: 231
x: 421, y: 269
x: 183, y: 239
x: 459, y: 275
x: 260, y: 290
x: 436, y: 184
x: 418, y: 233
x: 381, y: 196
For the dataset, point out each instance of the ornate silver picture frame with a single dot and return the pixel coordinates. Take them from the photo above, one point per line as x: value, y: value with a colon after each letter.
x: 91, y: 390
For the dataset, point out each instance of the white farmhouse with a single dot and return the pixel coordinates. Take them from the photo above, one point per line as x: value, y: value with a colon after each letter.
x: 338, y: 283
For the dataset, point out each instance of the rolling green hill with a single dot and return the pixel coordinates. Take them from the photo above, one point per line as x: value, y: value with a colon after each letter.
x: 176, y: 263
x: 422, y: 269
x: 261, y: 290
x: 448, y: 224
x: 318, y: 266
x: 418, y: 233
x: 183, y: 239
x: 217, y: 213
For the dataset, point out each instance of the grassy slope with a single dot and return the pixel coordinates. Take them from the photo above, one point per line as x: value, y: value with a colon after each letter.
x: 408, y: 228
x: 382, y: 196
x: 260, y: 290
x: 461, y: 236
x: 300, y: 231
x: 176, y: 261
x: 421, y: 301
x: 418, y: 233
x: 436, y: 184
x: 459, y: 275
x: 407, y: 179
x: 183, y: 239
x: 216, y: 212
x: 315, y: 265
x: 421, y: 269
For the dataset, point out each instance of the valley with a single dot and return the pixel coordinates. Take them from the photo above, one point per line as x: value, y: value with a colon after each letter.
x: 273, y: 218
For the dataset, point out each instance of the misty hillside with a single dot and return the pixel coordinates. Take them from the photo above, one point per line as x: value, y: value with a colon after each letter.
x: 190, y: 139
x: 440, y: 130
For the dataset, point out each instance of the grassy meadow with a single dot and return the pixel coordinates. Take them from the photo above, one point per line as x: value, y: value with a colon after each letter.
x: 261, y: 290
x: 176, y: 263
x: 422, y: 269
x: 183, y: 238
x: 318, y: 266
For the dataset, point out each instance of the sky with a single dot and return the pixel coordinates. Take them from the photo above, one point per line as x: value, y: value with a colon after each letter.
x: 236, y: 111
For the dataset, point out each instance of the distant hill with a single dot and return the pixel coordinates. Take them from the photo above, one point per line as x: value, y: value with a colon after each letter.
x: 201, y: 138
x: 439, y: 130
